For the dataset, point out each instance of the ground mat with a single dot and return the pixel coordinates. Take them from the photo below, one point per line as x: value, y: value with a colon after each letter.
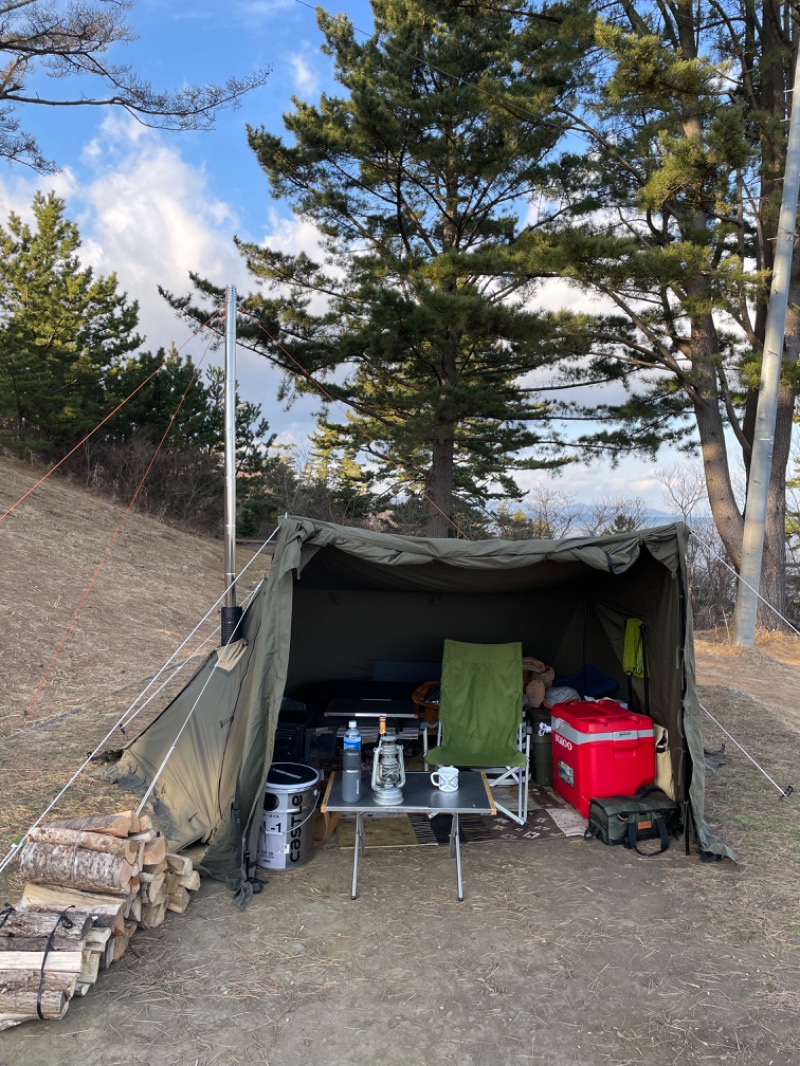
x: 379, y: 832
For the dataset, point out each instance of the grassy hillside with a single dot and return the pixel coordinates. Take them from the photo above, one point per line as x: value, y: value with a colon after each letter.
x: 138, y: 588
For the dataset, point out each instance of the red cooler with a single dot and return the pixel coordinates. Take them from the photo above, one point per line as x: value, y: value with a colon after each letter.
x: 600, y: 749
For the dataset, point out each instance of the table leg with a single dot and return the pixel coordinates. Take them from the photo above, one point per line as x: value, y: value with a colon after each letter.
x: 455, y: 849
x: 358, y: 848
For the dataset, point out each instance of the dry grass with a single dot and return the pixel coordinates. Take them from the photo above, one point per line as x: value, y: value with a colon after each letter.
x: 137, y: 601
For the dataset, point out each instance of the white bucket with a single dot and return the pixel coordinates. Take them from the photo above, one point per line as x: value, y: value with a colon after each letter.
x: 287, y: 830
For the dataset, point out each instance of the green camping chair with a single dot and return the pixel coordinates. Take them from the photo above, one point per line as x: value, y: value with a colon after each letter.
x: 481, y: 723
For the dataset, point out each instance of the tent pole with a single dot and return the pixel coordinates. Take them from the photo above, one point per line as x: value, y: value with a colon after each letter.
x: 231, y: 614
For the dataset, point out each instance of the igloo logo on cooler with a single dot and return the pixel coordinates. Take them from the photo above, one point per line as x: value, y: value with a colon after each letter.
x: 566, y: 744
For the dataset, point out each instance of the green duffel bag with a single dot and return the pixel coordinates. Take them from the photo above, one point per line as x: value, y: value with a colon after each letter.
x: 626, y: 820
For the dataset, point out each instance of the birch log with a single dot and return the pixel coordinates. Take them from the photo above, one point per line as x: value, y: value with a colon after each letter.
x: 54, y: 864
x: 75, y: 838
x: 117, y: 825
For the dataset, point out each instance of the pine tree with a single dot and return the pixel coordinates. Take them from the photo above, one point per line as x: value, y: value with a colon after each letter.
x: 417, y: 177
x: 674, y: 209
x: 61, y: 331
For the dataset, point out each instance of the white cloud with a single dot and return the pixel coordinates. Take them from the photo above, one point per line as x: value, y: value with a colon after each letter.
x: 18, y: 190
x: 147, y: 215
x: 305, y: 80
x: 601, y: 481
x: 151, y: 218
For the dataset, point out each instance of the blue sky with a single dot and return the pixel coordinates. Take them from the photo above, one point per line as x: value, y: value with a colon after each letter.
x: 151, y: 206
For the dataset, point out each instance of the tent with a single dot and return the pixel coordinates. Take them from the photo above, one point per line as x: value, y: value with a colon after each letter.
x: 340, y: 599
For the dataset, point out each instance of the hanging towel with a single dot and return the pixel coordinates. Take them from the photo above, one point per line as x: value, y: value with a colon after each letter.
x: 634, y: 662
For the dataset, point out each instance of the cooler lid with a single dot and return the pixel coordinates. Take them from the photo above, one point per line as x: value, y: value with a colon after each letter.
x: 290, y: 776
x: 604, y: 716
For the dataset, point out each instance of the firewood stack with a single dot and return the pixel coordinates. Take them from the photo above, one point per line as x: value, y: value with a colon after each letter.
x: 92, y: 882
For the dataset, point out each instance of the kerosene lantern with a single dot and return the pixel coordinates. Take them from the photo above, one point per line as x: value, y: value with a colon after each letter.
x: 388, y: 772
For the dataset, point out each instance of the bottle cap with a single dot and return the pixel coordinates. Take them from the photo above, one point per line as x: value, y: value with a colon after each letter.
x: 352, y: 725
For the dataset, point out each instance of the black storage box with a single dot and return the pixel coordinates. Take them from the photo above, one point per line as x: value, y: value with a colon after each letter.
x: 321, y: 741
x: 290, y: 735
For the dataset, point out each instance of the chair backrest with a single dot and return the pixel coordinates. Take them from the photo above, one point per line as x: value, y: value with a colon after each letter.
x: 480, y: 704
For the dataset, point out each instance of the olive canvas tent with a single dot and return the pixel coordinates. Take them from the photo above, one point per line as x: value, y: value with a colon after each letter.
x: 340, y: 599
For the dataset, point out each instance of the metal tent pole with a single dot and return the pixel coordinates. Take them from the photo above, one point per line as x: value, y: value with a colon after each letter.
x: 231, y: 614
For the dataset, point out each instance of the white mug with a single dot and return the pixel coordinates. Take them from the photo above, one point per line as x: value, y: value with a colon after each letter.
x: 446, y: 778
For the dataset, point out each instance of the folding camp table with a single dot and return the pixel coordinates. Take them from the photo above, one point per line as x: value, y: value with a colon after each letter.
x: 419, y: 797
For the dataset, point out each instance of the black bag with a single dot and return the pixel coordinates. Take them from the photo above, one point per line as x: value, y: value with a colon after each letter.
x: 626, y: 820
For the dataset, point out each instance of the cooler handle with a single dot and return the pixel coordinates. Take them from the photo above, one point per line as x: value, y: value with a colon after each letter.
x: 624, y: 735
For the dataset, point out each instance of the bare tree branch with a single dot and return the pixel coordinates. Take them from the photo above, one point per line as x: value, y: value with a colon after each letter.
x: 71, y: 42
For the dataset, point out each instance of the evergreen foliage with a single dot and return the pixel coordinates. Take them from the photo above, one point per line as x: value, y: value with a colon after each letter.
x: 416, y: 315
x: 61, y: 331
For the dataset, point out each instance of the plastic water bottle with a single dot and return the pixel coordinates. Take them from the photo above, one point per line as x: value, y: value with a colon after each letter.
x: 351, y: 764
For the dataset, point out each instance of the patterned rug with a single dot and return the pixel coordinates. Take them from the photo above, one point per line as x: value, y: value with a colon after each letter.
x: 548, y: 816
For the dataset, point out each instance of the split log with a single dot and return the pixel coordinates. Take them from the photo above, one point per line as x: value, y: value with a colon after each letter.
x: 81, y: 988
x: 180, y: 864
x: 178, y: 900
x: 151, y: 885
x: 153, y: 915
x: 145, y: 834
x: 107, y: 911
x: 30, y: 931
x: 53, y: 962
x: 118, y: 945
x: 154, y: 852
x: 117, y: 825
x: 27, y: 982
x: 125, y: 848
x: 90, y: 966
x: 97, y: 938
x: 190, y: 881
x: 54, y: 864
x: 53, y: 1004
x: 133, y: 909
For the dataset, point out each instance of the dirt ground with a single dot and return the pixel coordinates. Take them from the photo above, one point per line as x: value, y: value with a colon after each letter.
x: 563, y: 953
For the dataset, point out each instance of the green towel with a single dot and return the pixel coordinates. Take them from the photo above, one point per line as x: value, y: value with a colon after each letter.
x: 634, y: 661
x: 480, y: 705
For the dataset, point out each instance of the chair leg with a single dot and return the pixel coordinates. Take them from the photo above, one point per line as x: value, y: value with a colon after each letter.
x: 520, y: 776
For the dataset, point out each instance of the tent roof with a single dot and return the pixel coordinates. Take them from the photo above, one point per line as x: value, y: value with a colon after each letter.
x: 359, y: 557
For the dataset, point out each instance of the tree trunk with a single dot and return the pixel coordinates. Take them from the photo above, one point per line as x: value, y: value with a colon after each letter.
x: 439, y: 488
x: 710, y: 426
